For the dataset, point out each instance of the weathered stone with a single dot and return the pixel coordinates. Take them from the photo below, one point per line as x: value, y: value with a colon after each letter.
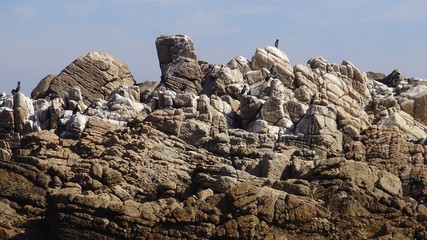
x: 393, y: 79
x: 97, y: 74
x: 178, y: 63
x: 273, y: 166
x: 249, y: 108
x: 7, y: 121
x: 390, y: 183
x: 276, y: 61
x: 262, y: 151
x: 20, y: 111
x: 40, y: 91
x: 420, y: 102
x: 74, y: 126
x: 240, y: 63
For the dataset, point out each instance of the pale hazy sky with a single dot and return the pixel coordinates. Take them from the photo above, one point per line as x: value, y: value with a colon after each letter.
x: 38, y: 37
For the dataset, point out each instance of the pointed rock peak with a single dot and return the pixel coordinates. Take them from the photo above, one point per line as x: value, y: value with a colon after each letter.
x: 393, y: 79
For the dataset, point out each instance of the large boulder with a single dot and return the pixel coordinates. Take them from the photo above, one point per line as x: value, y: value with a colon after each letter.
x: 420, y: 103
x: 276, y: 61
x: 97, y: 74
x: 393, y: 79
x: 319, y: 127
x: 221, y: 80
x: 20, y: 111
x: 178, y: 63
x: 42, y: 87
x: 7, y: 122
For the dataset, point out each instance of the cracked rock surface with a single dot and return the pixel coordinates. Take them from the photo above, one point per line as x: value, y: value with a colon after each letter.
x: 253, y: 149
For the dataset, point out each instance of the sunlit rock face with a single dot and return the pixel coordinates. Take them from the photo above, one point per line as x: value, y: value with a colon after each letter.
x: 253, y: 149
x: 97, y: 74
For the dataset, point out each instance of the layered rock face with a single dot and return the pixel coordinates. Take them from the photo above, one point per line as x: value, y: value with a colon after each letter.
x: 97, y: 74
x: 178, y: 63
x: 254, y: 149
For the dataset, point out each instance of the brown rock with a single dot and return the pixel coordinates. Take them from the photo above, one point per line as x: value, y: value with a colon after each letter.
x: 111, y: 176
x: 178, y: 63
x: 393, y: 79
x: 97, y: 74
x: 7, y: 121
x: 273, y: 166
x: 220, y: 165
x: 40, y: 91
x: 20, y: 111
x: 146, y: 89
x: 276, y: 61
x: 420, y: 101
x: 17, y: 187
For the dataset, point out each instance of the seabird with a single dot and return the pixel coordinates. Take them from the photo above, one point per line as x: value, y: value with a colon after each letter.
x: 16, y: 89
x: 244, y: 90
x: 276, y: 44
x: 313, y: 98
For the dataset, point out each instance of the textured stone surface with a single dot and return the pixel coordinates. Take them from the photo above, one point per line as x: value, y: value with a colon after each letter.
x: 97, y: 74
x: 255, y: 149
x: 40, y: 91
x: 178, y: 63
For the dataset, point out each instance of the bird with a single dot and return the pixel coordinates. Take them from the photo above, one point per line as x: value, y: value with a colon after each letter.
x: 244, y: 90
x: 16, y: 90
x: 75, y: 110
x: 276, y: 44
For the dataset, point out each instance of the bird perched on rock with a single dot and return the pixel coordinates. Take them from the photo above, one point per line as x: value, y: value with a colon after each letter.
x: 276, y: 44
x: 244, y: 90
x: 16, y: 90
x: 75, y: 110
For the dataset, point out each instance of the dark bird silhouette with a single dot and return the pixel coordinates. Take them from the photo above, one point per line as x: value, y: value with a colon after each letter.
x: 244, y: 90
x: 276, y: 44
x: 16, y: 90
x: 313, y: 98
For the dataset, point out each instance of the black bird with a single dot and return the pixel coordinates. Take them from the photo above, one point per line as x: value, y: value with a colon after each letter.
x: 313, y: 98
x: 244, y: 90
x: 16, y: 90
x: 276, y: 44
x: 75, y: 110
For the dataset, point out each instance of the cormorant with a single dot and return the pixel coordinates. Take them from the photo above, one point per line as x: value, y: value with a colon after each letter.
x: 313, y: 98
x: 16, y: 90
x: 244, y: 90
x: 276, y: 44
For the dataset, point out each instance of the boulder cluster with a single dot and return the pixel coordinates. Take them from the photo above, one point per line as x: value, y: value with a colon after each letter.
x: 253, y: 149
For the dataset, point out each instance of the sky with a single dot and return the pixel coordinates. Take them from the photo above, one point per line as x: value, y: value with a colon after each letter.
x: 41, y: 37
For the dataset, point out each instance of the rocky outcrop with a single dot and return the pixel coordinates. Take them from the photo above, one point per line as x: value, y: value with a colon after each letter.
x: 178, y: 63
x: 254, y: 149
x: 97, y: 74
x: 42, y: 88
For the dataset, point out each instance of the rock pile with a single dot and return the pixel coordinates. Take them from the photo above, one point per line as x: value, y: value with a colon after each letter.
x: 254, y: 149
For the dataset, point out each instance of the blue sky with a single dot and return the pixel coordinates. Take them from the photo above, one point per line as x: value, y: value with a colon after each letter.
x: 38, y: 37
